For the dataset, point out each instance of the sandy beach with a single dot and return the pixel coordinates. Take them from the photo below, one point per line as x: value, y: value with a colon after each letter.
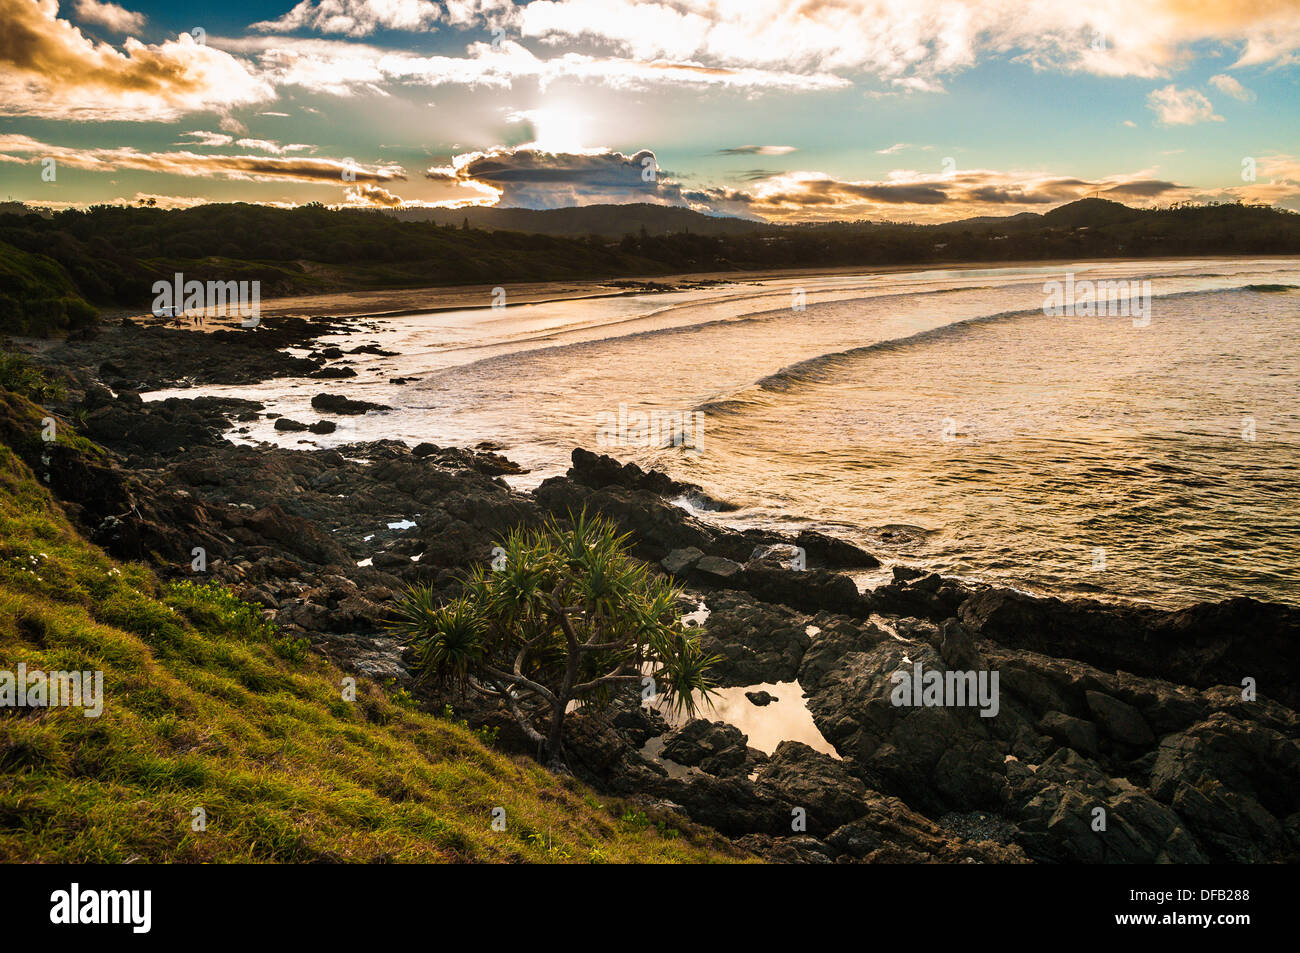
x: 395, y: 302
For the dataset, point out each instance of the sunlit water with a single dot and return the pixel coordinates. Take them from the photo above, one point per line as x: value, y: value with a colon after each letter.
x: 938, y: 417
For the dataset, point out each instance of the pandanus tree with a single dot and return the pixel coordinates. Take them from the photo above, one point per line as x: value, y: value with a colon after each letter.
x: 563, y: 615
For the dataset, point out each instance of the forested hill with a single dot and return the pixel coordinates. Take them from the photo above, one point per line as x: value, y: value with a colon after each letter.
x: 583, y: 220
x: 112, y: 255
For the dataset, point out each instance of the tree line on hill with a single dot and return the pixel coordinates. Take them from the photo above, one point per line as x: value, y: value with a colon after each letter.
x: 54, y: 266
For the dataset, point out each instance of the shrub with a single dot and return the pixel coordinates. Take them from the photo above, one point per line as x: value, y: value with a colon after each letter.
x: 568, y: 616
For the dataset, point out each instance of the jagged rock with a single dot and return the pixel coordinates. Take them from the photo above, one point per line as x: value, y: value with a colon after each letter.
x: 809, y: 590
x: 1122, y: 722
x: 799, y: 849
x: 717, y: 568
x: 1078, y: 734
x: 713, y: 746
x: 680, y: 560
x: 1232, y: 780
x: 777, y: 556
x: 935, y: 757
x: 834, y: 553
x: 926, y: 597
x: 1203, y: 645
x: 597, y: 471
x: 755, y: 641
x: 338, y: 404
x: 1058, y: 809
x: 806, y: 778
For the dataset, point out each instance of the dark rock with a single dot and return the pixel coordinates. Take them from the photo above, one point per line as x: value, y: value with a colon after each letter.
x: 1122, y: 722
x: 755, y: 641
x: 926, y: 597
x: 1078, y: 734
x: 713, y: 746
x: 834, y: 553
x: 598, y: 471
x: 717, y: 568
x: 806, y: 778
x: 333, y: 373
x: 1232, y: 780
x: 680, y: 560
x: 1063, y: 805
x: 338, y: 404
x: 1206, y: 644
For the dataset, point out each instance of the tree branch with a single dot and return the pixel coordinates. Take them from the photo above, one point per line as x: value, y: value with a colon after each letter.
x: 513, y: 679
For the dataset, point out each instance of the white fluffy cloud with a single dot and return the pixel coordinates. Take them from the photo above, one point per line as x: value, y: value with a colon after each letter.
x: 905, y: 43
x: 111, y: 16
x: 342, y: 67
x: 1181, y: 107
x: 355, y: 17
x: 1229, y: 86
x: 49, y: 68
x: 363, y: 17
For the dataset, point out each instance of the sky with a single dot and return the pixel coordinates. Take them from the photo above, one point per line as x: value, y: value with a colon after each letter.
x: 802, y: 110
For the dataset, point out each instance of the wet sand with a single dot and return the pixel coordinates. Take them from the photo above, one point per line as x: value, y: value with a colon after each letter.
x: 395, y: 302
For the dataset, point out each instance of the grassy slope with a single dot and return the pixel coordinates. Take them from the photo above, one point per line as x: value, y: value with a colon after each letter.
x: 207, y: 707
x: 36, y: 295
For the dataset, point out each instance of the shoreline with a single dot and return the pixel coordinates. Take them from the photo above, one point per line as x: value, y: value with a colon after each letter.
x: 264, y: 361
x: 391, y: 303
x: 1122, y: 706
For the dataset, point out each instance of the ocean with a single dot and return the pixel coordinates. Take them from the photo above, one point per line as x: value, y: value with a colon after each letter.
x: 939, y: 417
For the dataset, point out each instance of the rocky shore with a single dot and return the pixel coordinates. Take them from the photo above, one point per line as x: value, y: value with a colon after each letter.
x: 1121, y: 734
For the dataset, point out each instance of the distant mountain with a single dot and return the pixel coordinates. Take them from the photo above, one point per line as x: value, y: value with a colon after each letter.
x: 1019, y: 219
x: 1092, y: 213
x: 611, y: 221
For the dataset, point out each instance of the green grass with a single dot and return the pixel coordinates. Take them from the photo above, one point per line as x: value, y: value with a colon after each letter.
x: 37, y: 297
x: 206, y: 708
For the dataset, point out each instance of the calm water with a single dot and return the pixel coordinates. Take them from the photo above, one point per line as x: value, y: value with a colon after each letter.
x: 939, y: 417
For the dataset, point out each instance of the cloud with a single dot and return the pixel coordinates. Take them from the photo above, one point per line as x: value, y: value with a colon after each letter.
x: 342, y: 68
x: 1229, y: 86
x: 371, y: 196
x: 247, y: 168
x: 109, y: 15
x: 162, y: 201
x: 355, y: 17
x: 911, y: 44
x: 906, y: 47
x: 758, y: 151
x: 530, y: 178
x: 50, y: 69
x: 1277, y: 182
x: 1181, y: 107
x: 918, y: 197
x: 200, y: 138
x: 269, y: 145
x: 231, y: 124
x: 890, y: 150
